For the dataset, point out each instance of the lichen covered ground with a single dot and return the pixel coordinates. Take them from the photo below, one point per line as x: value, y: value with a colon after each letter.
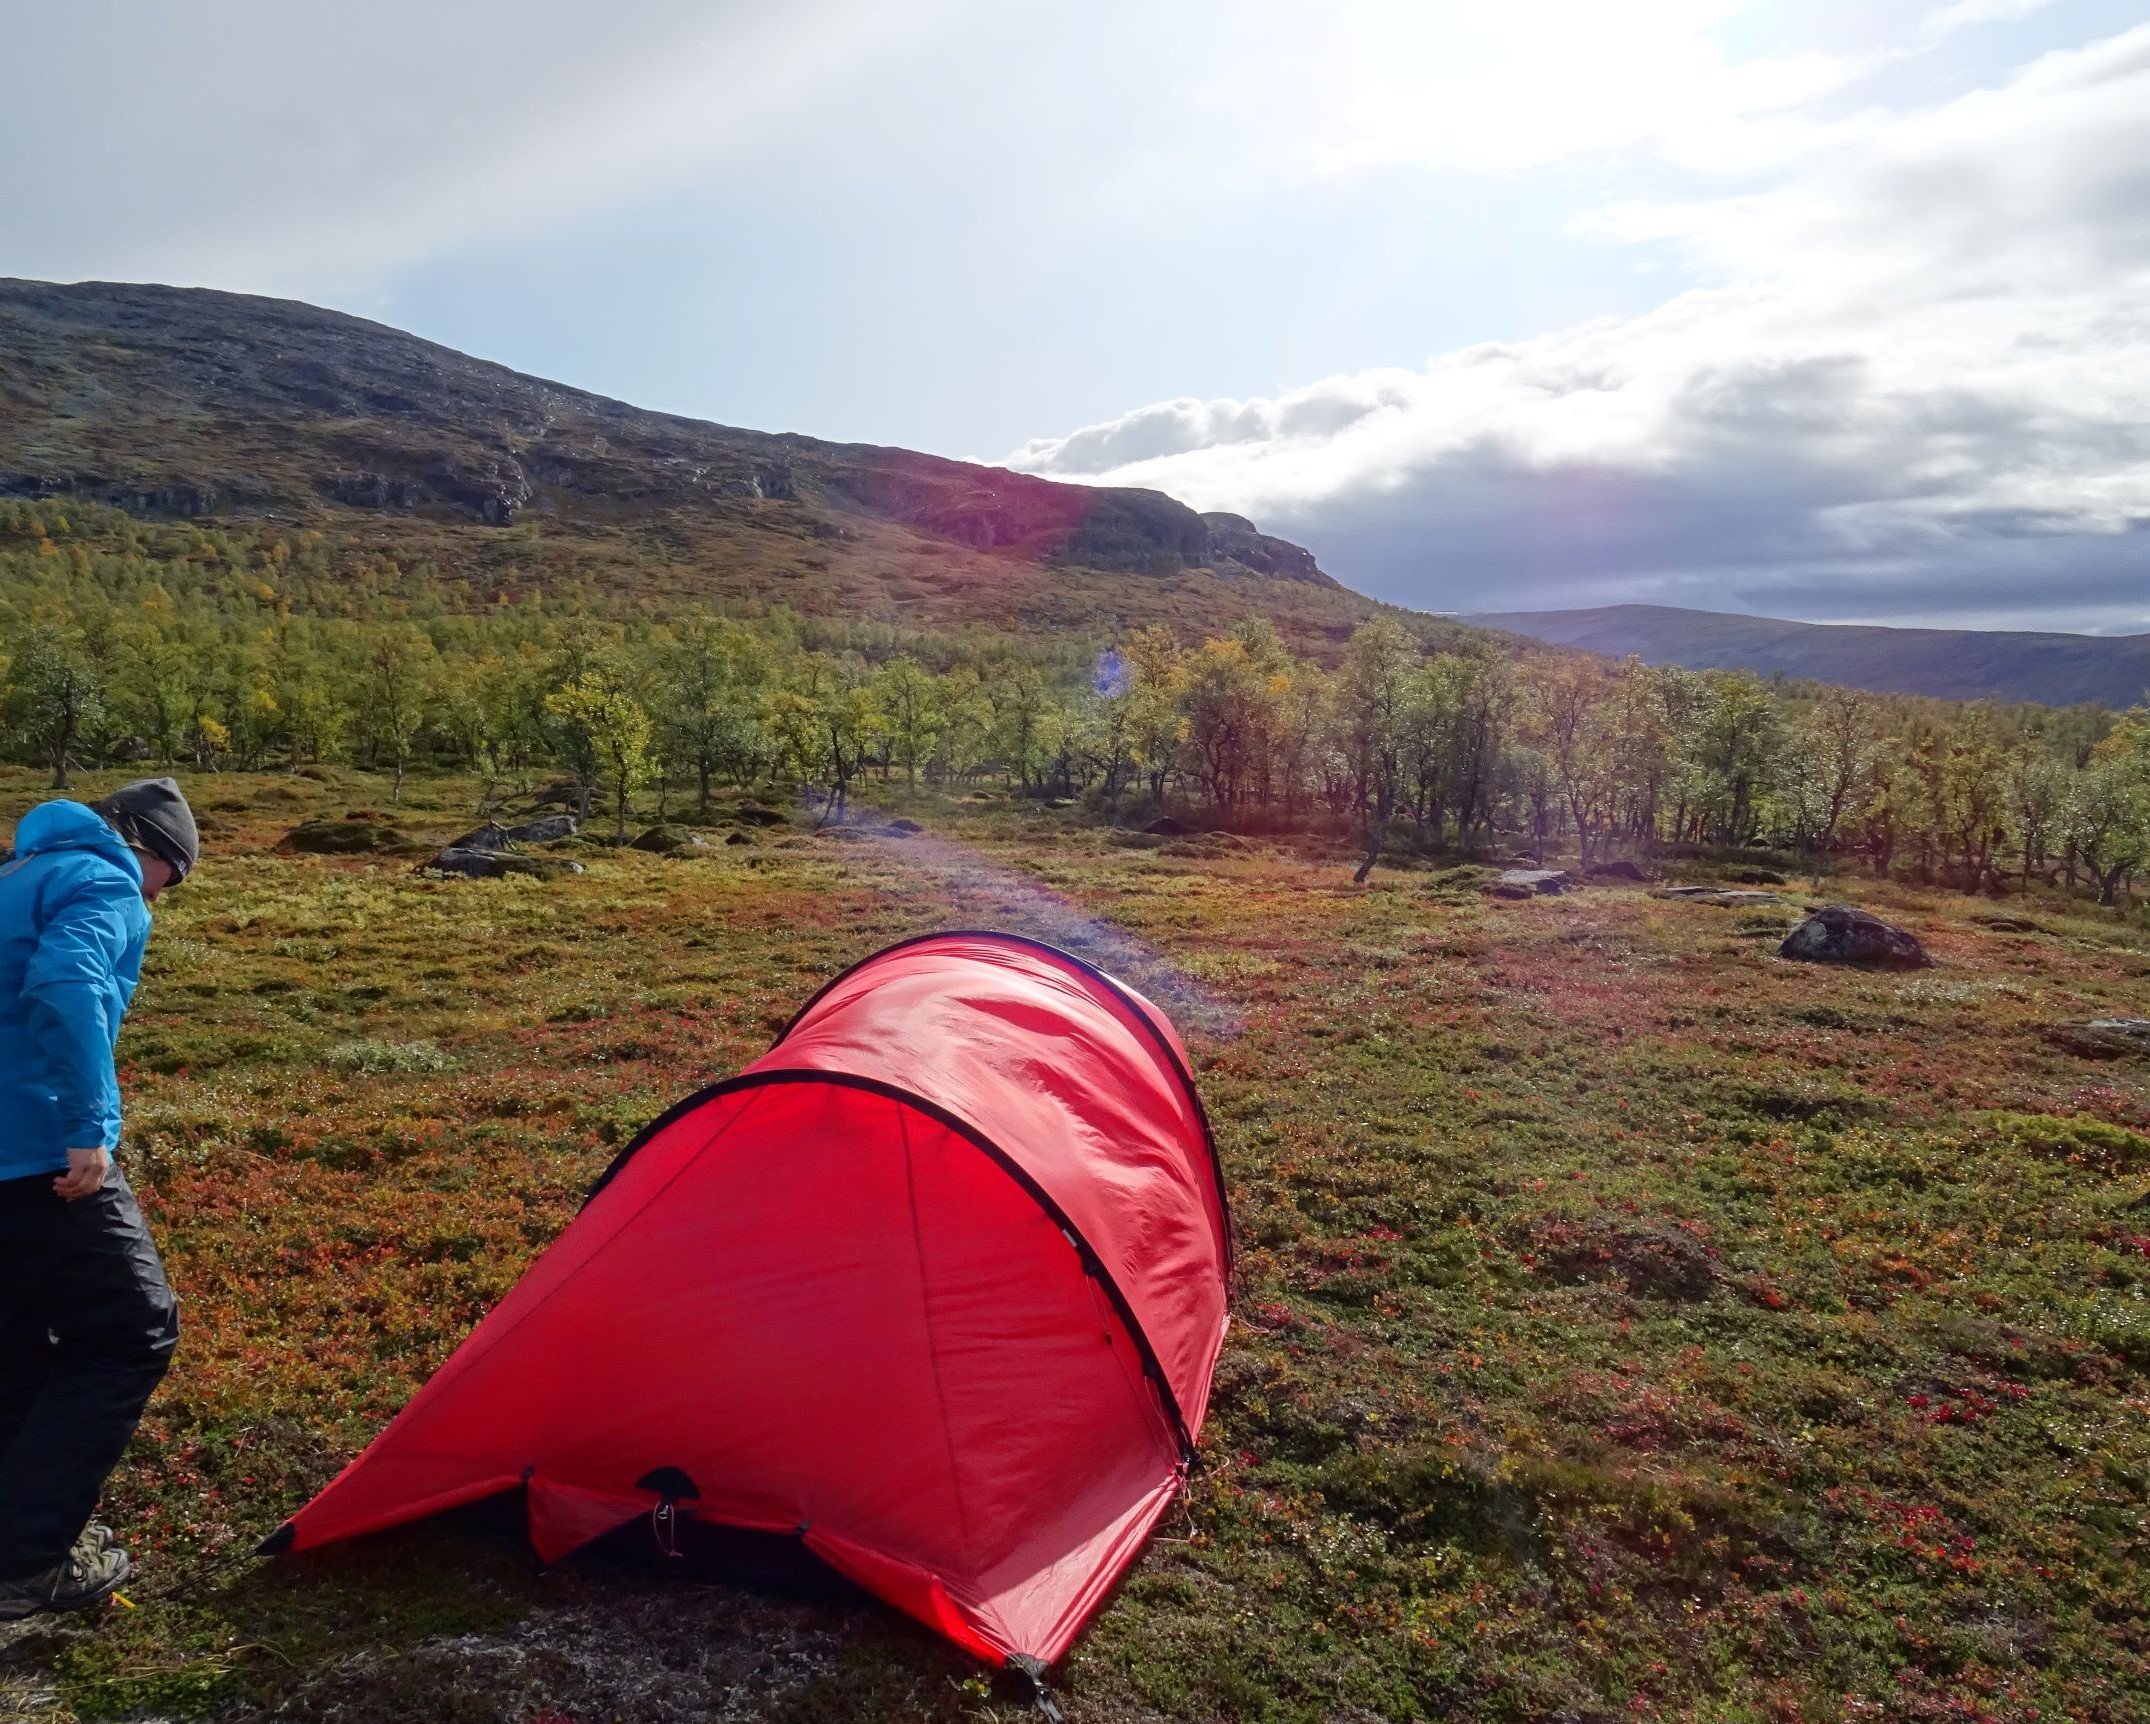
x: 1631, y: 1324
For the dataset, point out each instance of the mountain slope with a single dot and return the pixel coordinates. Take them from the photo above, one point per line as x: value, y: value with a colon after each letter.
x: 179, y: 402
x: 1952, y: 664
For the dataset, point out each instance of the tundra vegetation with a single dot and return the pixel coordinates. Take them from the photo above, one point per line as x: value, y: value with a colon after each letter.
x: 1630, y: 1324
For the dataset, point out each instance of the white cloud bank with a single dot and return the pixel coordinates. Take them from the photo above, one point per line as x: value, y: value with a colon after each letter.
x: 1918, y: 388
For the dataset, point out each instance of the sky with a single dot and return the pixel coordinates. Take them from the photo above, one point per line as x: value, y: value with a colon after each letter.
x: 1837, y: 309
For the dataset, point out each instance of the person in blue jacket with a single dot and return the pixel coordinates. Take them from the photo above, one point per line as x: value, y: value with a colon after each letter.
x: 87, y: 1320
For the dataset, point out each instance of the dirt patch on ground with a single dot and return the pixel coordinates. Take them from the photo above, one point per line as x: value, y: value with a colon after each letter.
x: 1652, y: 1259
x: 585, y: 1662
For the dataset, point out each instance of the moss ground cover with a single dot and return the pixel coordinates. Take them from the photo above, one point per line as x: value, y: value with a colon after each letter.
x: 1630, y: 1325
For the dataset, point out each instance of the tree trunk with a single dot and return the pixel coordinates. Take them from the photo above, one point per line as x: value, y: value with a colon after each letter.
x: 1373, y: 853
x: 63, y: 745
x: 1376, y: 833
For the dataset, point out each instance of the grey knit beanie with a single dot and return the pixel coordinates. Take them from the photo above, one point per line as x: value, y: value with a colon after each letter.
x: 152, y: 815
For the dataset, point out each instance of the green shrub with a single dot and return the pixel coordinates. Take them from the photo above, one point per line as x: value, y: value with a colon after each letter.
x: 2080, y: 1141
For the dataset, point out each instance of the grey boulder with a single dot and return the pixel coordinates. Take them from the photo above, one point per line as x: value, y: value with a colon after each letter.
x: 491, y: 836
x: 496, y: 864
x: 1845, y: 934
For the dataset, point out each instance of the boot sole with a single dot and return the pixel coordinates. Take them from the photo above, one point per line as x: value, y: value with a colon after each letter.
x: 15, y: 1609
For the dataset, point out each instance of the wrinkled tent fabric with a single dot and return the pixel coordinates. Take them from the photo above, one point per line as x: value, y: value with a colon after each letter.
x: 937, y: 1284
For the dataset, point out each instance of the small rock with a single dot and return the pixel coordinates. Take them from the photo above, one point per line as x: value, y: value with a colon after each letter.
x: 1845, y: 934
x: 751, y: 815
x: 2103, y: 1038
x: 1164, y: 826
x: 2001, y: 923
x: 1717, y: 895
x: 1532, y: 882
x: 1755, y: 877
x: 738, y: 838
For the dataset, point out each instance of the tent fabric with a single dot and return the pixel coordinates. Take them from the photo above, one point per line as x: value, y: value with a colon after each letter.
x: 937, y: 1285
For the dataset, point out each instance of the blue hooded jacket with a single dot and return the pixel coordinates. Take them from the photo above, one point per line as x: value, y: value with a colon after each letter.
x: 72, y: 929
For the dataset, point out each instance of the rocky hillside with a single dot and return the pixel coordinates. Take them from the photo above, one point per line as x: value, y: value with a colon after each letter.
x: 1947, y: 664
x: 175, y: 402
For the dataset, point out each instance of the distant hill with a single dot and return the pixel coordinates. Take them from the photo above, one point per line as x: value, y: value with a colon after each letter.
x: 179, y: 402
x: 1951, y: 664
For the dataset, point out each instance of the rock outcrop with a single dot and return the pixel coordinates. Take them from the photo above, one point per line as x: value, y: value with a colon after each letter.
x: 546, y: 829
x: 1530, y: 882
x: 2104, y: 1038
x: 1729, y: 896
x: 491, y: 836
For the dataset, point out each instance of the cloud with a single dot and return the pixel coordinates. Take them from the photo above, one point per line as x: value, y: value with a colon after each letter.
x: 1965, y: 14
x: 318, y: 150
x: 1915, y: 387
x: 1321, y: 92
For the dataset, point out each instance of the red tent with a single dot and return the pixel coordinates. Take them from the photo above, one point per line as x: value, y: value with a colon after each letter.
x: 936, y: 1284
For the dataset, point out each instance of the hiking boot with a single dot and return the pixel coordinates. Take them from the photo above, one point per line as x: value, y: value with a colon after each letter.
x: 94, y: 1538
x: 82, y: 1578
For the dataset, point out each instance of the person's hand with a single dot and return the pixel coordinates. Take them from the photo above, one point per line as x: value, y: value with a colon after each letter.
x: 85, y: 1175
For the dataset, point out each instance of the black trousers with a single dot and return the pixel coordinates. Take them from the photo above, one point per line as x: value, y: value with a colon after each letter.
x: 87, y: 1327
